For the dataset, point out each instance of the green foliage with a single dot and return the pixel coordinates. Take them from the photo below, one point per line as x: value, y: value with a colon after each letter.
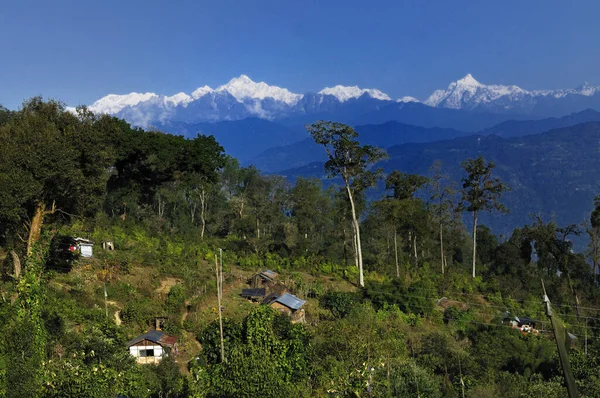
x: 505, y: 349
x: 139, y: 313
x: 81, y: 375
x: 459, y: 318
x: 416, y: 298
x: 23, y: 345
x: 339, y: 303
x: 266, y: 356
x: 50, y: 156
x: 346, y: 349
x: 409, y: 380
x: 175, y: 299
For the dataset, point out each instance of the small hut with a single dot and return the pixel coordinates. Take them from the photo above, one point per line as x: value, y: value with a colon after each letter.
x: 290, y: 305
x: 264, y: 278
x: 152, y: 346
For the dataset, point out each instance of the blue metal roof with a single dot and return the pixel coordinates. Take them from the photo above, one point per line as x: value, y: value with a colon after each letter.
x: 290, y: 301
x: 153, y: 336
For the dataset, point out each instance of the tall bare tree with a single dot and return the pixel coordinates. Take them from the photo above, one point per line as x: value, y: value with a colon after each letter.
x: 442, y: 197
x: 480, y: 192
x: 350, y: 161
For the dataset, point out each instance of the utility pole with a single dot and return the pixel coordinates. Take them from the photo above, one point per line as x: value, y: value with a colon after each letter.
x: 106, y: 302
x: 586, y: 336
x: 219, y: 292
x: 560, y: 335
x: 221, y: 269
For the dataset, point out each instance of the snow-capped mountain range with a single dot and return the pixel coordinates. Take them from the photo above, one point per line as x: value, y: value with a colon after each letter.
x: 241, y: 98
x: 467, y: 93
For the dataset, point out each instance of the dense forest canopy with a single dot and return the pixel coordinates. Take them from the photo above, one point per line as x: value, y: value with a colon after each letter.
x: 393, y: 304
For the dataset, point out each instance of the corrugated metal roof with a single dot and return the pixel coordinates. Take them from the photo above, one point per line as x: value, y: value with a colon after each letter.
x: 258, y: 292
x: 290, y: 301
x: 270, y: 298
x: 155, y: 336
x: 268, y: 274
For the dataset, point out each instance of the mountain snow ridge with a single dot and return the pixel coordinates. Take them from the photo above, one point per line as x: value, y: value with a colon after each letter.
x: 344, y: 93
x: 243, y: 87
x: 241, y: 98
x: 467, y: 93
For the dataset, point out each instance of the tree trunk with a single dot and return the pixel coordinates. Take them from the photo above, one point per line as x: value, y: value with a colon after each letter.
x: 396, y: 254
x: 202, y: 212
x: 415, y: 249
x: 35, y: 229
x: 16, y: 265
x: 361, y: 280
x: 474, y: 241
x: 219, y: 292
x: 442, y: 245
x: 595, y: 250
x: 161, y: 206
x: 354, y: 246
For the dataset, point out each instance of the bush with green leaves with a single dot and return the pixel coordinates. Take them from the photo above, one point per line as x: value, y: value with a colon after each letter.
x: 416, y: 298
x: 175, y: 299
x: 266, y: 355
x: 339, y: 303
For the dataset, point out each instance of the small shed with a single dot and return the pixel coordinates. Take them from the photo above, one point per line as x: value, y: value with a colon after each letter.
x: 264, y: 278
x: 254, y: 294
x: 85, y: 247
x: 152, y: 346
x: 291, y: 305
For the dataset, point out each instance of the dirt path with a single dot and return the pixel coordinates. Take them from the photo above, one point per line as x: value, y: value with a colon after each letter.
x: 186, y: 312
x: 166, y: 285
x: 118, y: 320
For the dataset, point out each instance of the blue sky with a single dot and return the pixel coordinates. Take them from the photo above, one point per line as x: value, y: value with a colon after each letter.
x: 79, y: 51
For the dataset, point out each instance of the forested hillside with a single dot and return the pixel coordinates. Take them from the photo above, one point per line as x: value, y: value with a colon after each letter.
x: 401, y: 299
x: 552, y: 174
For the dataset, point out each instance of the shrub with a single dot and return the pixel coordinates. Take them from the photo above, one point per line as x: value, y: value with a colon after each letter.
x: 339, y: 303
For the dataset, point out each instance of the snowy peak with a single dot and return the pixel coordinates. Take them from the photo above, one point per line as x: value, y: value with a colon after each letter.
x: 586, y: 89
x: 179, y: 98
x: 467, y: 93
x: 201, y: 92
x: 407, y: 98
x: 467, y: 81
x: 243, y: 87
x: 344, y: 93
x: 113, y: 103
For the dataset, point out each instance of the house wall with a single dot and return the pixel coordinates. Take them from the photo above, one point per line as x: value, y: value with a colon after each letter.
x: 299, y: 316
x: 136, y: 351
x: 86, y: 250
x: 281, y: 308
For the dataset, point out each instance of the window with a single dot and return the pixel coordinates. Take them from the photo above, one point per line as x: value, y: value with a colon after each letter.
x: 147, y: 353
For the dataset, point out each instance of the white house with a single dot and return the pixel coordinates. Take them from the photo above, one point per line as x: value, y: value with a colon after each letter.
x: 152, y: 346
x: 85, y: 247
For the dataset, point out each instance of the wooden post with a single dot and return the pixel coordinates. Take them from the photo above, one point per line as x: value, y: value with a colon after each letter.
x: 106, y: 302
x: 560, y: 335
x: 221, y: 269
x: 219, y: 290
x: 396, y: 253
x: 442, y: 246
